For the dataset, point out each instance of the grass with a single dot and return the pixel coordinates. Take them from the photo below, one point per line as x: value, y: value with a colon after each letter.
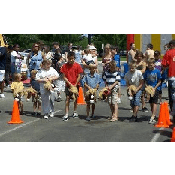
x: 122, y: 58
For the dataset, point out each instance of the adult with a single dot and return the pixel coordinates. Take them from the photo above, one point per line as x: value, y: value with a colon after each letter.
x: 131, y: 54
x: 8, y: 65
x: 169, y: 61
x: 36, y: 57
x: 55, y: 46
x: 47, y: 53
x: 78, y: 55
x: 107, y: 58
x: 3, y: 55
x: 16, y: 60
x: 89, y: 58
x: 149, y: 52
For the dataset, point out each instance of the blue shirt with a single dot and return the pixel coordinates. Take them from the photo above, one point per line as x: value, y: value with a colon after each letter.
x: 117, y: 60
x: 152, y: 77
x: 92, y: 81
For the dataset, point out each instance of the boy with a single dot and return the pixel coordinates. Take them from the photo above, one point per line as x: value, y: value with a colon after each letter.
x: 91, y: 82
x: 112, y: 79
x: 152, y: 77
x: 134, y: 77
x: 71, y: 74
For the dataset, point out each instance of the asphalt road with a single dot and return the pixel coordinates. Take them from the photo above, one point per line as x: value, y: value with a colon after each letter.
x: 35, y: 129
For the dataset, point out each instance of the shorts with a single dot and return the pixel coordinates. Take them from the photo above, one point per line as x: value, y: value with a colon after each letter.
x: 171, y: 90
x: 136, y: 99
x: 67, y: 90
x: 113, y: 97
x: 2, y: 75
x: 155, y: 98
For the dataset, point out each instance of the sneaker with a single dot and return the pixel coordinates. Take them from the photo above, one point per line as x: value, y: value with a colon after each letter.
x: 92, y: 116
x: 144, y: 109
x: 65, y: 118
x: 152, y: 121
x: 27, y: 100
x: 38, y: 113
x: 2, y: 96
x: 119, y: 100
x: 133, y: 119
x: 46, y: 116
x: 52, y: 114
x: 75, y: 115
x: 34, y: 113
x: 88, y: 119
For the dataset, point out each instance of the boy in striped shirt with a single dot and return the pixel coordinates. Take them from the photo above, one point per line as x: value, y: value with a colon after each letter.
x: 112, y: 79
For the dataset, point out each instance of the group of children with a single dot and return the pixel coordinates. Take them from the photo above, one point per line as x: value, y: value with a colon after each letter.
x: 72, y: 74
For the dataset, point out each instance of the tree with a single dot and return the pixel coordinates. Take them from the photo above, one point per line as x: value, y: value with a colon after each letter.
x: 113, y: 39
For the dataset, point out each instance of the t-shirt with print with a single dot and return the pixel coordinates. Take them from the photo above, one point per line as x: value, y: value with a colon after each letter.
x: 71, y: 72
x: 169, y: 60
x: 158, y: 64
x: 41, y: 74
x: 152, y: 77
x: 133, y: 78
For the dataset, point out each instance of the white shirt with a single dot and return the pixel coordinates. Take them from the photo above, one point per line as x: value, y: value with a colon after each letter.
x: 13, y: 55
x: 134, y: 78
x: 45, y: 74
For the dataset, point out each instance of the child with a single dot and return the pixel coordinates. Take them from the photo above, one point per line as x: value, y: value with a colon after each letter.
x: 71, y: 74
x: 158, y: 65
x: 91, y: 83
x: 112, y: 79
x: 45, y: 75
x: 134, y: 77
x: 17, y: 89
x: 36, y: 97
x: 114, y: 50
x: 153, y: 78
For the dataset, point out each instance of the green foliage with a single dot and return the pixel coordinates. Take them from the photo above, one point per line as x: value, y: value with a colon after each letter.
x: 26, y: 40
x: 113, y: 39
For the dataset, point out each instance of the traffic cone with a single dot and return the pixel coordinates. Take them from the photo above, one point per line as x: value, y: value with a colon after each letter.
x: 167, y: 114
x: 173, y: 135
x: 80, y: 100
x: 15, y: 114
x: 162, y: 118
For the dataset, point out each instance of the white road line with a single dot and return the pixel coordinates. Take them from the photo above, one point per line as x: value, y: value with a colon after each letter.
x: 156, y: 136
x: 57, y: 111
x: 20, y: 126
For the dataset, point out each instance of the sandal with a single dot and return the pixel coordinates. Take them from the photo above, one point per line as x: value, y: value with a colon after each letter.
x: 114, y: 119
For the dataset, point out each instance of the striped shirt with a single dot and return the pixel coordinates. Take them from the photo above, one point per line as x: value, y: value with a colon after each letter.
x: 111, y: 77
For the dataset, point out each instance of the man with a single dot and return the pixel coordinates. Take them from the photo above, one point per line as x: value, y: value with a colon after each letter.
x: 169, y: 61
x: 3, y: 55
x: 131, y: 54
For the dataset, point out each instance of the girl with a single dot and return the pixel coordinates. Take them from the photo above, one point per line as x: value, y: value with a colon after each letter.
x: 134, y: 77
x: 17, y: 89
x: 112, y: 79
x: 47, y: 73
x: 141, y: 65
x: 36, y: 97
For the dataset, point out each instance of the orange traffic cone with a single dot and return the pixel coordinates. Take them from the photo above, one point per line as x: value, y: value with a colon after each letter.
x: 167, y: 115
x: 162, y: 118
x: 80, y: 100
x: 15, y: 114
x: 173, y: 135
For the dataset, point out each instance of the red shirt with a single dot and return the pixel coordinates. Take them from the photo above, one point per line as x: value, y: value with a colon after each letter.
x: 71, y: 72
x: 169, y: 60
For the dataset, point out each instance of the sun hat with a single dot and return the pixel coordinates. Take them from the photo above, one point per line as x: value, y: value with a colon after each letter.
x: 92, y: 48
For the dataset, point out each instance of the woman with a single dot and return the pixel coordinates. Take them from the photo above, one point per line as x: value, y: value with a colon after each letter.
x: 36, y: 57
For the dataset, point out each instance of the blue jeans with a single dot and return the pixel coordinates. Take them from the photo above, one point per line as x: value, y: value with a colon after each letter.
x: 136, y: 99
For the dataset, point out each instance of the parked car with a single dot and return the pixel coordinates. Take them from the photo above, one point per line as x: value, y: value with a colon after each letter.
x: 123, y: 53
